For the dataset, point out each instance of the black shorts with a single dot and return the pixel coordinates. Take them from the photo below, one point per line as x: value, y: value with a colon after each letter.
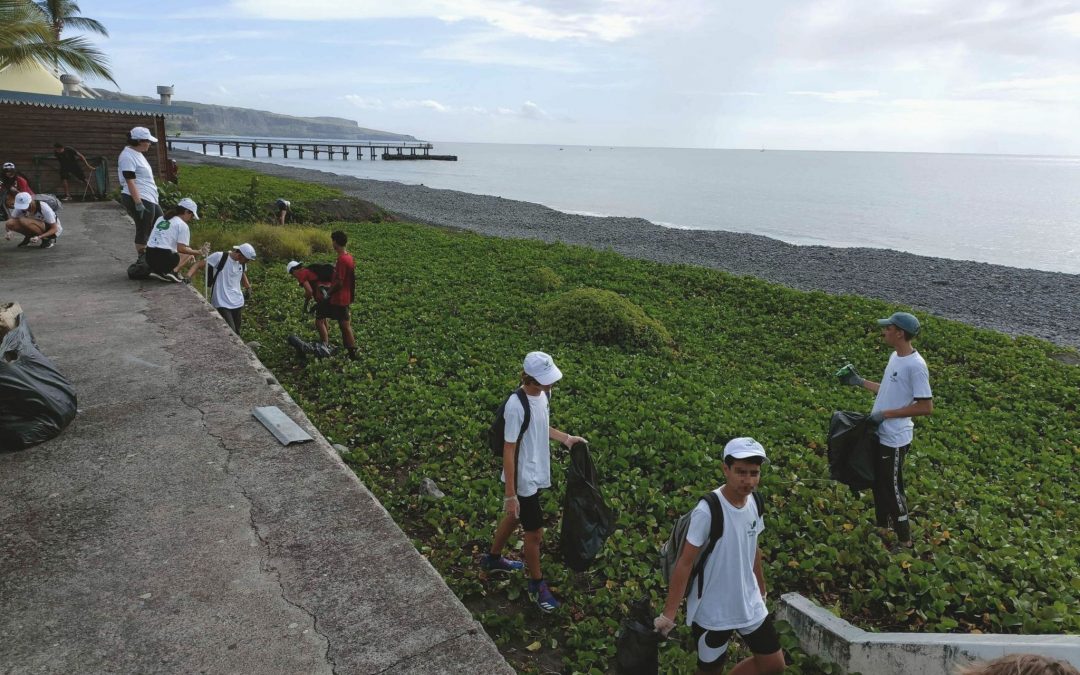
x: 162, y: 260
x: 324, y: 310
x: 72, y: 172
x: 531, y: 514
x: 712, y: 644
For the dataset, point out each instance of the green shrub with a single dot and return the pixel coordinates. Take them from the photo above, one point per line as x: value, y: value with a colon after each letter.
x: 604, y: 318
x: 547, y: 280
x: 272, y: 242
x: 317, y: 240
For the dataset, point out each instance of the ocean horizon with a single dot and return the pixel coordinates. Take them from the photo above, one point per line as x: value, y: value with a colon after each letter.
x: 1015, y: 210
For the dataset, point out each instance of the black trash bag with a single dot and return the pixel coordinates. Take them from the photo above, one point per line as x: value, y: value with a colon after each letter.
x: 637, y: 646
x: 140, y: 269
x: 587, y: 522
x: 36, y: 401
x: 853, y: 441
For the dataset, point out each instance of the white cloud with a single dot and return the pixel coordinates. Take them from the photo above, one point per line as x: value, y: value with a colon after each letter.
x: 840, y: 96
x: 490, y: 48
x: 528, y: 110
x: 364, y: 103
x: 594, y: 20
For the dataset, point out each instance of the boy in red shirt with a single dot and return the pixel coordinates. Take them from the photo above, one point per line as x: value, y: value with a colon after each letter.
x: 314, y: 289
x: 336, y: 305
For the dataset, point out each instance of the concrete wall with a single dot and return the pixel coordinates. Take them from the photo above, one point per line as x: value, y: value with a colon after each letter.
x: 857, y: 651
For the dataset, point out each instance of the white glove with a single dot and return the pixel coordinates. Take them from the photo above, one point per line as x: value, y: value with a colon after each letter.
x: 663, y: 625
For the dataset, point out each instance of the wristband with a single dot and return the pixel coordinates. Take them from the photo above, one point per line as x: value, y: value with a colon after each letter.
x: 511, y: 498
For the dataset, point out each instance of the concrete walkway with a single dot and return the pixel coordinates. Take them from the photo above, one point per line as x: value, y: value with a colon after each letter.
x: 166, y: 530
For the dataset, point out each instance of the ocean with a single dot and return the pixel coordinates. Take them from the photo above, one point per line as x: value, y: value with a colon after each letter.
x: 1020, y: 211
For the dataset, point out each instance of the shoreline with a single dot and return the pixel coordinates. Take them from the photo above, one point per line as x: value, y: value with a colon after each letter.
x: 1012, y: 300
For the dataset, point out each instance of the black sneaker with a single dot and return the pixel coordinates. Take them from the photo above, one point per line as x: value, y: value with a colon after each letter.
x: 159, y: 277
x: 25, y: 241
x: 48, y: 243
x: 173, y: 277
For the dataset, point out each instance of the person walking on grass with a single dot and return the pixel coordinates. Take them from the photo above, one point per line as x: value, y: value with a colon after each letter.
x: 732, y: 597
x: 227, y: 294
x: 339, y: 297
x: 138, y: 191
x: 526, y: 473
x: 34, y: 220
x: 168, y: 247
x: 903, y: 393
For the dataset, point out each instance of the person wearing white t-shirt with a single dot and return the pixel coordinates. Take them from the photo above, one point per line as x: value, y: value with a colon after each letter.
x: 34, y: 220
x: 732, y: 597
x: 169, y: 245
x: 230, y: 282
x: 904, y: 392
x: 526, y: 473
x: 138, y: 191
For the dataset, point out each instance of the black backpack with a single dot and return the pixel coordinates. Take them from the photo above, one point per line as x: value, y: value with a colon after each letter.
x: 496, y: 433
x: 323, y: 271
x: 672, y: 549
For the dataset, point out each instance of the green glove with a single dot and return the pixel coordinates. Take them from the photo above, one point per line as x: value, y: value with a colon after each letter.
x: 139, y: 207
x: 849, y: 376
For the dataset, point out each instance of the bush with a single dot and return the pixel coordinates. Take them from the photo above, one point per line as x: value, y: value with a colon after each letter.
x: 317, y: 240
x: 280, y: 243
x: 605, y: 318
x: 547, y: 280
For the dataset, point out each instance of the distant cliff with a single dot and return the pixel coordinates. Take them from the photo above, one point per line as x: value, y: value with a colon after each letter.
x: 223, y: 120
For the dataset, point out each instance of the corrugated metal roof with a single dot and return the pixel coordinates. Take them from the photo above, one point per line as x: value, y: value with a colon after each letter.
x: 95, y: 104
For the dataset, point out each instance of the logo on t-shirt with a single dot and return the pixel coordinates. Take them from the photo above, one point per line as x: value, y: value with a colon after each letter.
x: 752, y: 530
x: 895, y: 374
x: 162, y: 224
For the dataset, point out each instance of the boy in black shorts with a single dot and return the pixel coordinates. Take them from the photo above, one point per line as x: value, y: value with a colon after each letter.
x: 529, y: 472
x: 732, y: 596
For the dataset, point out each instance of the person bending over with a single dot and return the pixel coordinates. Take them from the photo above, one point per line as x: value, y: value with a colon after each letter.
x: 34, y: 220
x: 169, y: 246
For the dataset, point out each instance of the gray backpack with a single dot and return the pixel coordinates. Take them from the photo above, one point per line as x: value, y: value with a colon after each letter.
x: 673, y: 547
x: 55, y: 204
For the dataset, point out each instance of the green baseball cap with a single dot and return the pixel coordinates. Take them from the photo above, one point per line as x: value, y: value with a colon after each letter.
x: 903, y: 321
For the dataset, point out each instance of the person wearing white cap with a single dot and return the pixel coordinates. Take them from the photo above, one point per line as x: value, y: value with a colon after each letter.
x: 731, y: 594
x: 169, y: 246
x: 138, y: 191
x: 34, y: 220
x: 230, y: 282
x: 527, y: 463
x: 904, y: 392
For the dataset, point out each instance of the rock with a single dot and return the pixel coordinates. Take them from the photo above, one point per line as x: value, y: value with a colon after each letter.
x: 253, y: 345
x: 341, y: 449
x: 9, y: 317
x: 428, y: 488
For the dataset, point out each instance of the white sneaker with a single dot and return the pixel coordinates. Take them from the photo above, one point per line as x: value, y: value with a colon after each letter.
x: 159, y: 277
x: 173, y: 277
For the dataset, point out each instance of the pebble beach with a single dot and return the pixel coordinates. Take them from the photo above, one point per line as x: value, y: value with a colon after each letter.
x: 1012, y: 300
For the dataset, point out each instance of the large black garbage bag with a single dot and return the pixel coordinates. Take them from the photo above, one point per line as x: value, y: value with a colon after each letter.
x: 853, y: 440
x: 36, y: 401
x: 637, y: 647
x: 587, y: 522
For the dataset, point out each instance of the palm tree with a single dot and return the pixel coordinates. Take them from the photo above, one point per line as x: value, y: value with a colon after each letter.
x: 63, y: 14
x: 29, y: 35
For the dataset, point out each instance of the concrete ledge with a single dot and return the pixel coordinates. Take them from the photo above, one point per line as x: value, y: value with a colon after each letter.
x: 857, y: 651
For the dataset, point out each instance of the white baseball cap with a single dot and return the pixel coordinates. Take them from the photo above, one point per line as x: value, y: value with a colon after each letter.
x: 9, y: 165
x: 541, y: 368
x: 187, y: 203
x: 293, y: 264
x: 142, y: 134
x: 246, y: 250
x: 22, y: 201
x: 743, y: 448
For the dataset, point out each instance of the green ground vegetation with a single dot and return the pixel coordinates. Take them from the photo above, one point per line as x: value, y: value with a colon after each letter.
x: 443, y: 320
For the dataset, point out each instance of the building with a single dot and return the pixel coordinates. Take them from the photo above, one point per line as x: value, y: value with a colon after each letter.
x: 33, y: 122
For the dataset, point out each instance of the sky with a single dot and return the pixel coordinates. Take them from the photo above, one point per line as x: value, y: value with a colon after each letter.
x: 903, y: 75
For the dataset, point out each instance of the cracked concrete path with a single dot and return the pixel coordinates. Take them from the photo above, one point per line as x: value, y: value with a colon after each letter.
x: 166, y: 530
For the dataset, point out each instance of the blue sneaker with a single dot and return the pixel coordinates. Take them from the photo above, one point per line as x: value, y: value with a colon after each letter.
x: 501, y: 564
x: 543, y: 597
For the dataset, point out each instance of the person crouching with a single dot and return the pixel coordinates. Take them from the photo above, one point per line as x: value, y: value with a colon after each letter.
x: 34, y: 220
x: 169, y: 245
